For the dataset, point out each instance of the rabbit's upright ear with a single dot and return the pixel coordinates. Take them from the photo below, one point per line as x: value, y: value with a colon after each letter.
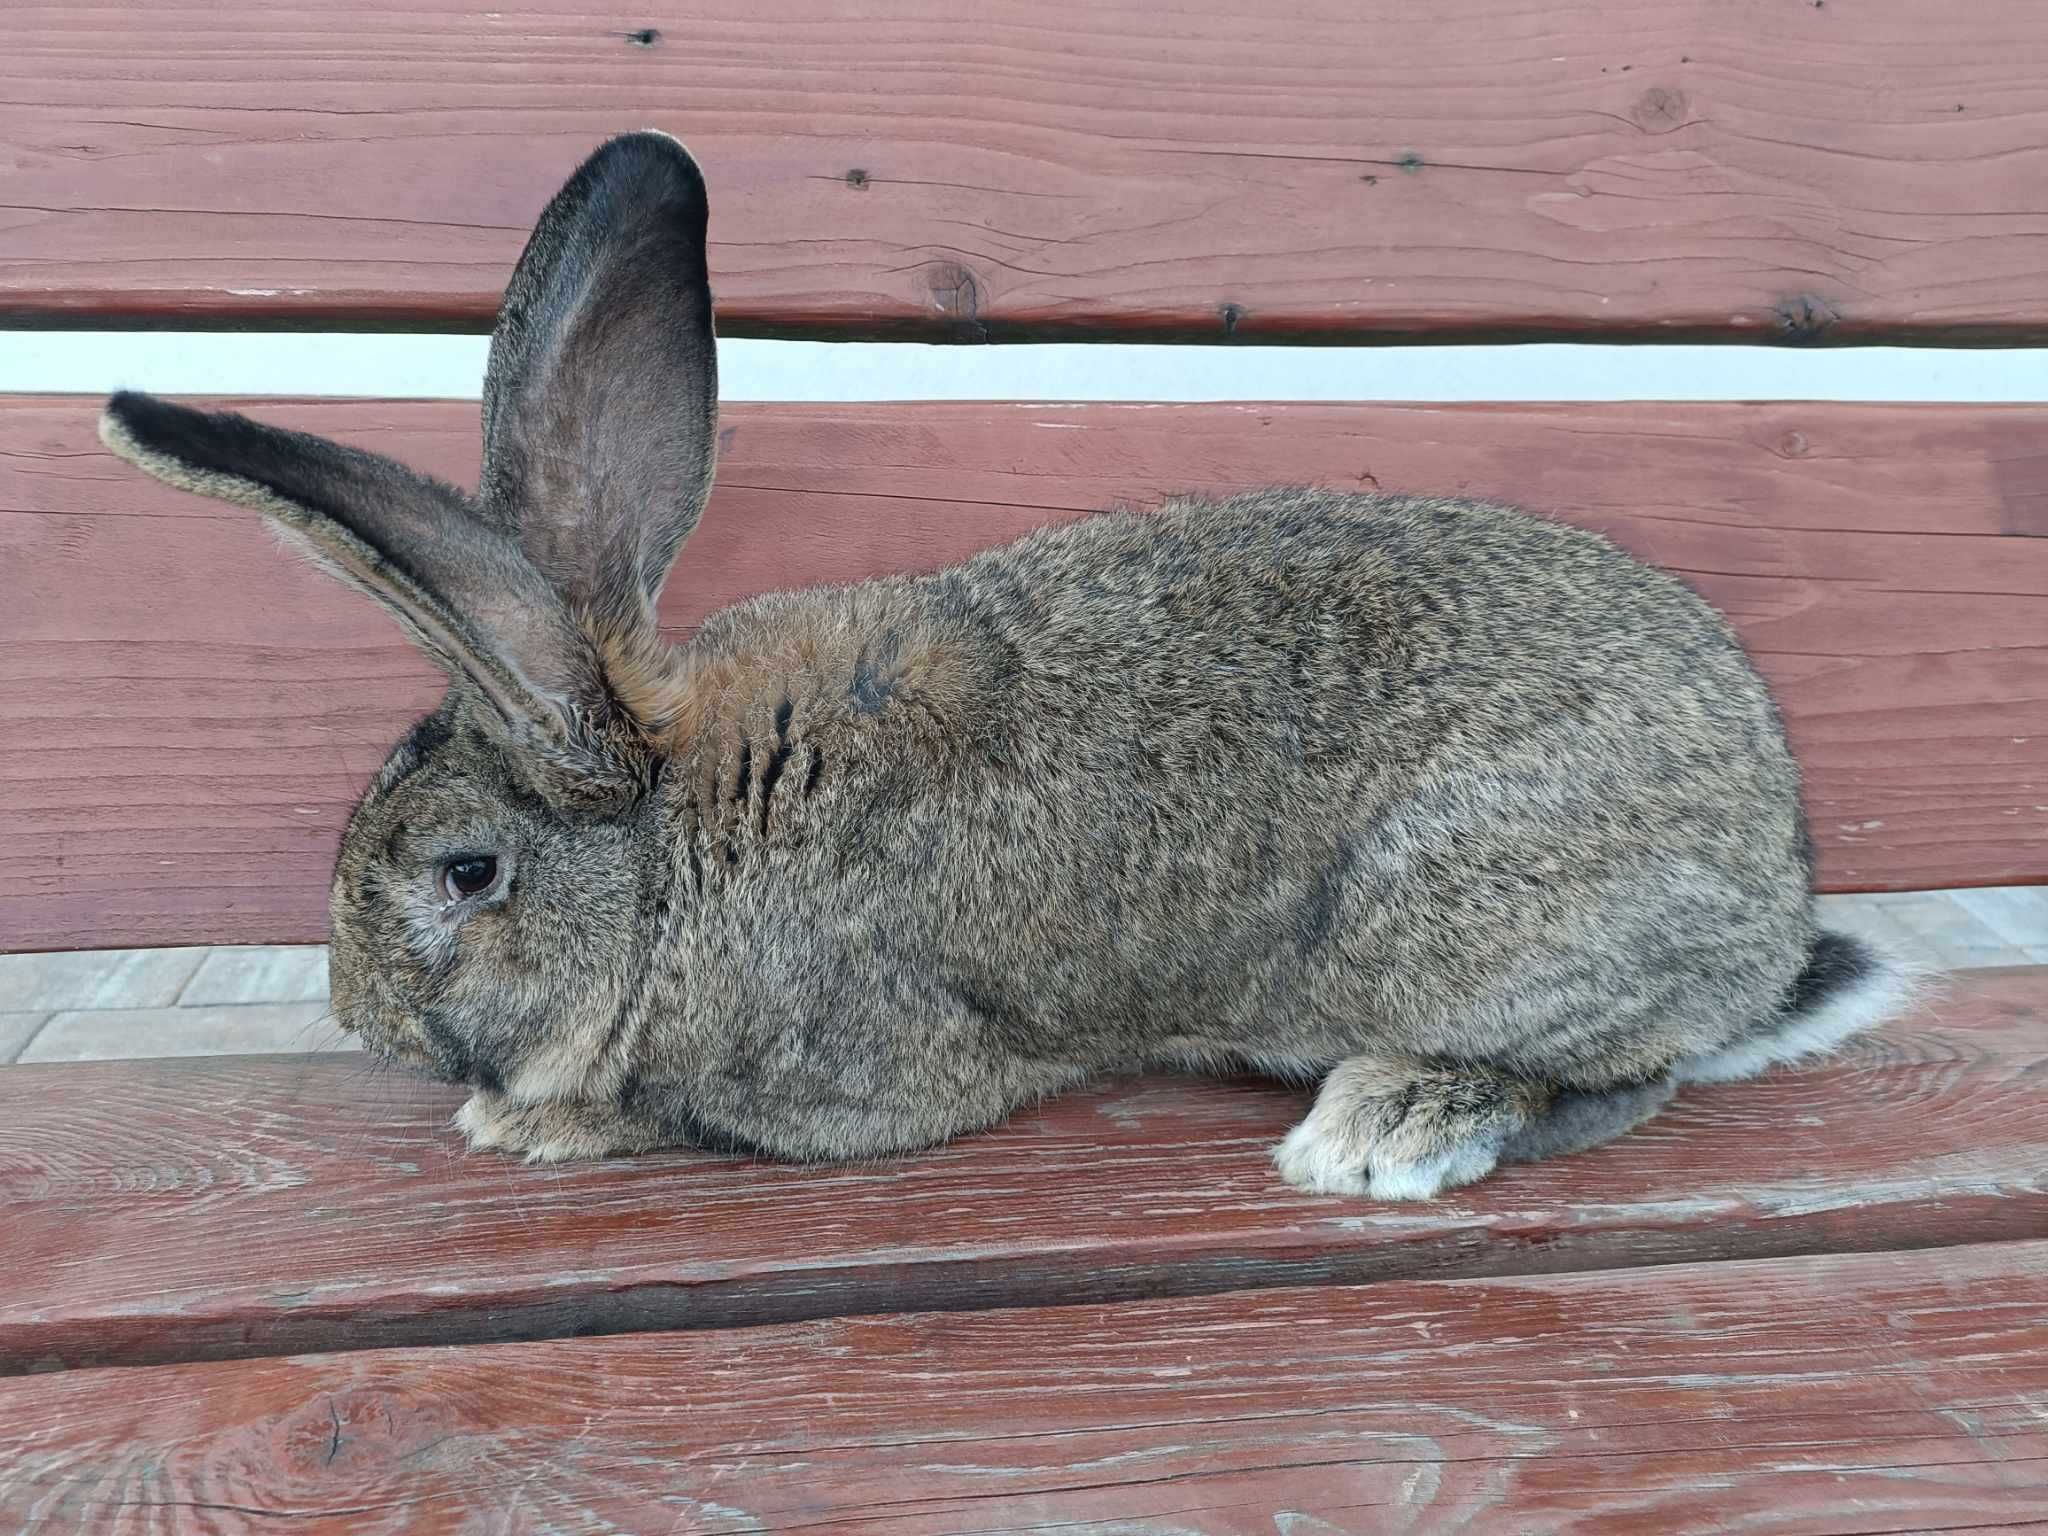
x: 601, y: 403
x: 466, y: 594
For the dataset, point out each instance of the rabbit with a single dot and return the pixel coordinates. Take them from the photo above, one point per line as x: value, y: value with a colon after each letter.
x: 1462, y: 813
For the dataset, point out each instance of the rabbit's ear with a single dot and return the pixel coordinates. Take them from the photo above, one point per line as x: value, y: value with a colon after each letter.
x: 463, y: 591
x: 601, y: 402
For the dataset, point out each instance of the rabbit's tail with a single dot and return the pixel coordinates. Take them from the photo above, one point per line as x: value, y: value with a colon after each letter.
x: 1848, y: 986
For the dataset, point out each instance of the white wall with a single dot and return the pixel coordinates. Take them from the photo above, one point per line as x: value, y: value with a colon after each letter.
x: 178, y: 363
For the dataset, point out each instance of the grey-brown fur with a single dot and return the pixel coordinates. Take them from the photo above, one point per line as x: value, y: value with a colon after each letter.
x: 1464, y: 809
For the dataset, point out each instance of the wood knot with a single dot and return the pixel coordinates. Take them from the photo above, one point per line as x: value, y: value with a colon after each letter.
x: 315, y: 1443
x: 857, y: 179
x: 646, y: 37
x: 1804, y: 317
x: 1792, y: 445
x: 955, y: 292
x: 1660, y: 109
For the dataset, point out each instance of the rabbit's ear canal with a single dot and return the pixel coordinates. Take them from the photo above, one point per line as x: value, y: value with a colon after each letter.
x: 464, y: 592
x: 601, y: 403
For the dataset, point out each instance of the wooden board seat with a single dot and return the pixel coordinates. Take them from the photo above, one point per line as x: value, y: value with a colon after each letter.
x: 209, y: 1208
x: 1871, y: 1393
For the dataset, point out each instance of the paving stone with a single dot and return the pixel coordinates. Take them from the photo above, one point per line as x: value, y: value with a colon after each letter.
x: 104, y: 1034
x: 1862, y: 918
x: 95, y: 978
x: 16, y: 1030
x: 2019, y: 916
x: 253, y: 973
x: 1950, y: 935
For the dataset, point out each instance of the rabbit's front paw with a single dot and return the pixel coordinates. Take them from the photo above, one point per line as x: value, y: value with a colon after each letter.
x: 550, y: 1130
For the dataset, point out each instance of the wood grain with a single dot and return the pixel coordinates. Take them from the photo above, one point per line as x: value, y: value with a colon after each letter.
x: 1878, y: 1393
x: 208, y: 1208
x: 186, y: 713
x: 1323, y: 169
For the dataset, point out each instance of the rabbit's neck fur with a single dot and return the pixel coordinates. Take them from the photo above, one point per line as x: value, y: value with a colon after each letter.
x: 767, y: 695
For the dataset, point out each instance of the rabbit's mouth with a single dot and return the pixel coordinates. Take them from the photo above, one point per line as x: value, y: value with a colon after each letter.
x: 412, y: 1058
x: 404, y: 1049
x: 438, y: 1049
x: 425, y: 1045
x: 423, y: 1040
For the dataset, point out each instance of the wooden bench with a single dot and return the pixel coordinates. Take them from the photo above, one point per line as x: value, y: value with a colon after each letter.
x: 245, y: 1293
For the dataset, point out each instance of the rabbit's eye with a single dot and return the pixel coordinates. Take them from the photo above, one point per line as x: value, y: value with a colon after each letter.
x: 468, y: 876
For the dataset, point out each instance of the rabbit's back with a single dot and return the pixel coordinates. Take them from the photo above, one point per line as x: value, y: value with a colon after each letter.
x: 1275, y: 778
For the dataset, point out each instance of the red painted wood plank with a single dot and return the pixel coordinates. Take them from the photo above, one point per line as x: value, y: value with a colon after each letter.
x: 1877, y: 1393
x: 1362, y: 169
x: 186, y: 713
x: 209, y: 1208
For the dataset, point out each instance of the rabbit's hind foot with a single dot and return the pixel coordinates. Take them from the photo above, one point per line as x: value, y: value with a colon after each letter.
x: 1401, y: 1128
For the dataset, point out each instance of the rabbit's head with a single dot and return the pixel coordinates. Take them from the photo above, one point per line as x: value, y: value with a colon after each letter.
x: 496, y: 891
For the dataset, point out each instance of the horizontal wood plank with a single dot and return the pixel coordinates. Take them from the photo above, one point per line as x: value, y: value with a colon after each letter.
x: 186, y: 713
x: 1319, y: 169
x: 212, y: 1208
x: 1876, y: 1393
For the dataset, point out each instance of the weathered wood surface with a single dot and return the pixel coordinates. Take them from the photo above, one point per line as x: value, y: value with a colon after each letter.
x: 1323, y: 168
x: 175, y: 1210
x: 1879, y: 1393
x: 186, y: 713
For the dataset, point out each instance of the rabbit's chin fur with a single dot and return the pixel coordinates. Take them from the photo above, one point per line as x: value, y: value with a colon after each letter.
x: 1466, y: 813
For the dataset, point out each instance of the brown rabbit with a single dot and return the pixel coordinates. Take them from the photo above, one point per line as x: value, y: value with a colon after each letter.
x: 1465, y: 813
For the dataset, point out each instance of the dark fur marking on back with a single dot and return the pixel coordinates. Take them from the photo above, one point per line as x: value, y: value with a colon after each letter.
x: 772, y: 775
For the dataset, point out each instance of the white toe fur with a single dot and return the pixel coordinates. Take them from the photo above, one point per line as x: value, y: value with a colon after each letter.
x: 474, y: 1121
x: 1429, y: 1178
x: 1311, y: 1161
x: 1329, y: 1165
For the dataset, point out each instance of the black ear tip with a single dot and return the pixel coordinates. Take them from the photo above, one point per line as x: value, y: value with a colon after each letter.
x: 137, y: 405
x: 130, y: 416
x: 647, y: 166
x: 650, y: 145
x: 144, y: 420
x: 125, y: 403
